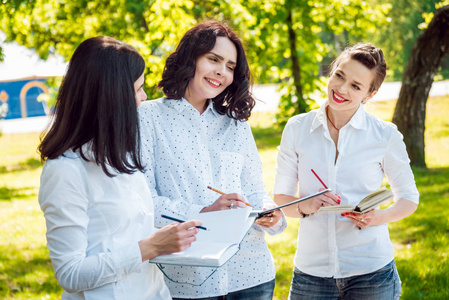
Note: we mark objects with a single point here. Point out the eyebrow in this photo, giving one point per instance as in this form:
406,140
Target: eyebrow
356,82
222,58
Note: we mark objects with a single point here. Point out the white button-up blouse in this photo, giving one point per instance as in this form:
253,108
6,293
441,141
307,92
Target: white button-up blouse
369,148
184,152
94,223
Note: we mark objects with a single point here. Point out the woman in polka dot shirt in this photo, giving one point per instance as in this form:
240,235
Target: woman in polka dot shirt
197,136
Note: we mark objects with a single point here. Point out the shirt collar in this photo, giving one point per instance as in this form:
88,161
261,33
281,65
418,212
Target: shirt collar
182,104
358,120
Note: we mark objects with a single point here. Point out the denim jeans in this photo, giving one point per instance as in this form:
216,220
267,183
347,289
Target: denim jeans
262,291
383,284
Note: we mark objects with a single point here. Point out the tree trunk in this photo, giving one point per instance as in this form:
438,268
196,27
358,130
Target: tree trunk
425,58
296,69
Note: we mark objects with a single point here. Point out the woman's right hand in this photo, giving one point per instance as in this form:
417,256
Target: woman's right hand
172,238
226,201
312,205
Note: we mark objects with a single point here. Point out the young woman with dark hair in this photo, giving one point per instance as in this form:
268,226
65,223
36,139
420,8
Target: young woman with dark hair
197,137
348,256
97,206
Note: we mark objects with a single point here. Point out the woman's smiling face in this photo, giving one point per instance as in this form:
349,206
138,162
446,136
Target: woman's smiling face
214,71
349,85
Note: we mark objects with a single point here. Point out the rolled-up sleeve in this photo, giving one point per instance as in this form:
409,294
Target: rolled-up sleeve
396,165
286,181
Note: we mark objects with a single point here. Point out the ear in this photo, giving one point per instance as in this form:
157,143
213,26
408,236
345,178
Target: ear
368,97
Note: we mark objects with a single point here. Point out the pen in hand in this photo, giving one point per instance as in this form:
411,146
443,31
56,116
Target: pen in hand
220,192
181,221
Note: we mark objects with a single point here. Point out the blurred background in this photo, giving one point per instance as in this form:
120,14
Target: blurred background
290,44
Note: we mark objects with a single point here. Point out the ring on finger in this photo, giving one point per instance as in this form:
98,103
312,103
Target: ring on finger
271,220
232,204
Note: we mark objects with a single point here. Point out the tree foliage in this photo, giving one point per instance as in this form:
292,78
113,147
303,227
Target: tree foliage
397,36
283,37
286,43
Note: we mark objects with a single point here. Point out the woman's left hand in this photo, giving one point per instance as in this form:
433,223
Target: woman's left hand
271,219
362,220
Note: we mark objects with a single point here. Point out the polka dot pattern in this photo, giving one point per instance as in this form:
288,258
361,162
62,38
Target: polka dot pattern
184,152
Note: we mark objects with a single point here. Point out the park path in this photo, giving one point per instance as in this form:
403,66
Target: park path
267,96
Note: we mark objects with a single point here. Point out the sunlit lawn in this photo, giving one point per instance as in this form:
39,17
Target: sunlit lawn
421,241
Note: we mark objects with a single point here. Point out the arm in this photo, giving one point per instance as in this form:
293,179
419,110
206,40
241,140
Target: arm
287,174
72,223
307,207
396,166
63,199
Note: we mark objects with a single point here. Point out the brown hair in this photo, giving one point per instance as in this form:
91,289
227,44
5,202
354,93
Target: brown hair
236,100
369,56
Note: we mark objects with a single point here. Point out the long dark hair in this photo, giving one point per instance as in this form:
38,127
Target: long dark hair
236,100
96,104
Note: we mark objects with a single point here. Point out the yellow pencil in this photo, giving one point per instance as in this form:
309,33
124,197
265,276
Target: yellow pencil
220,192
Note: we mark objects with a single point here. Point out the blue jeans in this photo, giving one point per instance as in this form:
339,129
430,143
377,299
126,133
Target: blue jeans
383,284
262,291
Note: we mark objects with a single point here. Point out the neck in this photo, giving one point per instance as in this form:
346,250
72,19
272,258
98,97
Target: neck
338,119
199,105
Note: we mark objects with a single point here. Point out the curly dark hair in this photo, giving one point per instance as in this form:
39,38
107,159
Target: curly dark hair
369,56
96,103
236,100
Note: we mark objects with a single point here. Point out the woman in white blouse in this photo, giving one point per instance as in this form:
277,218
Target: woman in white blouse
345,256
96,203
197,137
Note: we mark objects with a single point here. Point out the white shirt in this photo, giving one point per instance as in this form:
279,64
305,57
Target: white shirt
331,245
94,223
184,152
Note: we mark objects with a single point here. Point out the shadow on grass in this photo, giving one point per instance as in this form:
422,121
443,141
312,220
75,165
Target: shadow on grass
29,164
7,194
19,276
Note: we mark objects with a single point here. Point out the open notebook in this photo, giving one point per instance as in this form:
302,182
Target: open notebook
213,248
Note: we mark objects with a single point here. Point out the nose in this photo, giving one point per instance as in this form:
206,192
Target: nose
344,87
220,71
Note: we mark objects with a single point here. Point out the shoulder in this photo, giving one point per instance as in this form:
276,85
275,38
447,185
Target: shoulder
70,166
301,119
382,127
152,105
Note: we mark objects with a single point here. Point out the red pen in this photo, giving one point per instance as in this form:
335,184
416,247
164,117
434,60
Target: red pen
318,178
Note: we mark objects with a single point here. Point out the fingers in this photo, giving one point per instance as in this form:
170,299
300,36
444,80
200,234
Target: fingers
360,220
189,224
270,219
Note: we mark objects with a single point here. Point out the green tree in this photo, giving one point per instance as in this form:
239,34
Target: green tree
397,36
286,44
154,27
425,58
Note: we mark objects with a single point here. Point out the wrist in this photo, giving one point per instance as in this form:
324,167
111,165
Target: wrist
301,213
147,250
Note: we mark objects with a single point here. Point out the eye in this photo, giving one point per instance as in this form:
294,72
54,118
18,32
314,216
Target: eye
213,58
356,87
338,75
231,68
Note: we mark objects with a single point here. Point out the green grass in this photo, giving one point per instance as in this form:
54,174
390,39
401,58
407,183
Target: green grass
421,240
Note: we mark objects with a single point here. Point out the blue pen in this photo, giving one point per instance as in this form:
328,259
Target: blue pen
181,221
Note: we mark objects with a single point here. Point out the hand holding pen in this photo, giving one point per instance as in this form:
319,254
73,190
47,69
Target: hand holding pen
226,201
327,199
172,238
